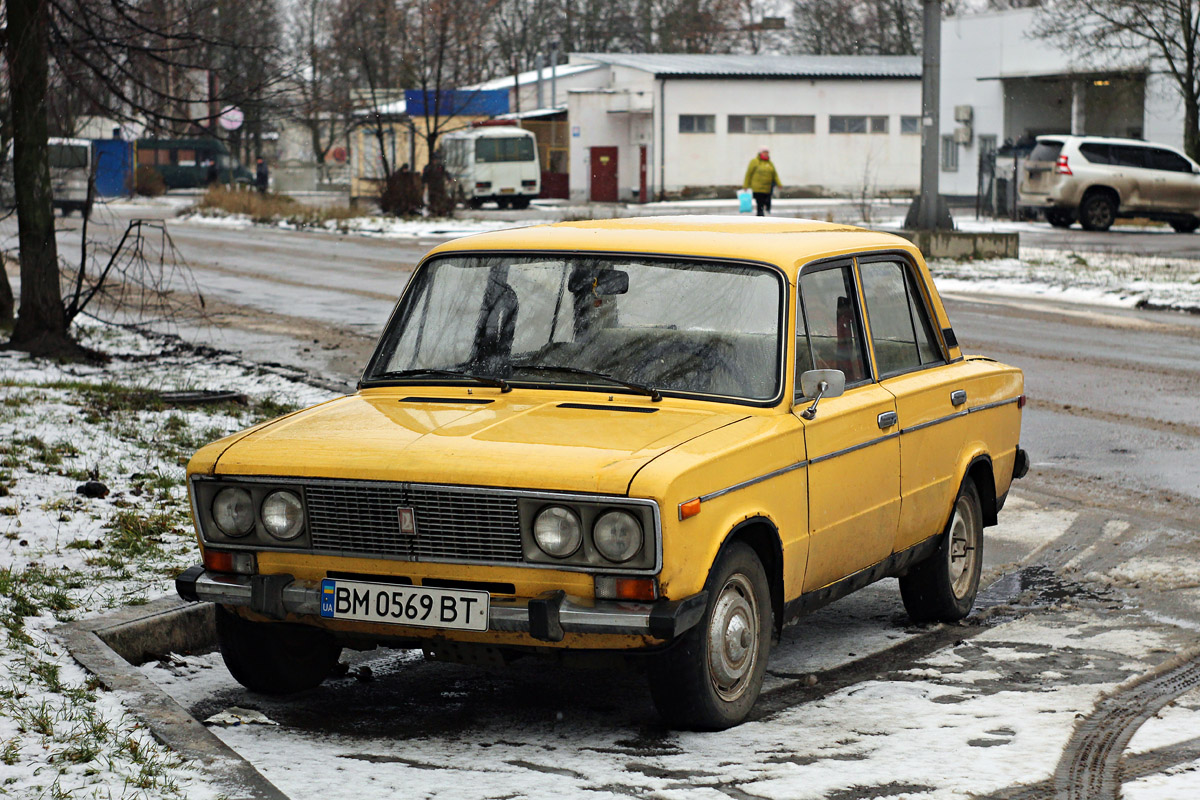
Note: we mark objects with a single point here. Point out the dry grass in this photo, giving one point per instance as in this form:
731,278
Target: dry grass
269,207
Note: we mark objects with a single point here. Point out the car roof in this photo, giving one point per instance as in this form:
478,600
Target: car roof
1063,137
787,243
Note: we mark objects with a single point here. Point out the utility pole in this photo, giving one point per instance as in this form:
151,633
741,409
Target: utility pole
928,211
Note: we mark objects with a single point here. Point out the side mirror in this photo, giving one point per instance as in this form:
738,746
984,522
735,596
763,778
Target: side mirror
820,383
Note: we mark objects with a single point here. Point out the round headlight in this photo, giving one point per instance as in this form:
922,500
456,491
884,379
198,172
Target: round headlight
233,511
618,535
557,531
283,515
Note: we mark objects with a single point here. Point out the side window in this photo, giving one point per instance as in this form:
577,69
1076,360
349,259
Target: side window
900,331
1128,156
1166,160
829,328
1096,153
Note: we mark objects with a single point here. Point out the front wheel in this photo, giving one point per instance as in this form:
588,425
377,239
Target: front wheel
1185,224
275,658
942,588
710,679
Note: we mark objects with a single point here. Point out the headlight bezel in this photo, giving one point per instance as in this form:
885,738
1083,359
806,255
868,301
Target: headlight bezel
203,492
646,560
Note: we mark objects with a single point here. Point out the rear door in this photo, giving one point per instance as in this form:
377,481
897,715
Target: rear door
1038,175
930,393
852,445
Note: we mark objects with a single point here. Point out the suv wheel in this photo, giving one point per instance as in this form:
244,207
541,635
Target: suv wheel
1185,224
1097,212
1058,218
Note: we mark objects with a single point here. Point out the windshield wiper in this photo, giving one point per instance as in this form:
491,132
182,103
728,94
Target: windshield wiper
637,387
486,380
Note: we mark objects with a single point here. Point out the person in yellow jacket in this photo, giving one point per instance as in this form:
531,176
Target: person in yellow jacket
761,179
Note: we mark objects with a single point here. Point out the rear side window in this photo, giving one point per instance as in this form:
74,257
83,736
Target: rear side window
1096,153
1129,156
829,329
1166,160
900,331
1046,151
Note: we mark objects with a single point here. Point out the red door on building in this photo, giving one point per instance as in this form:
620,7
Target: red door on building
604,174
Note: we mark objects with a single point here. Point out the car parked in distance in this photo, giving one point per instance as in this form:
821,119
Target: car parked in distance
662,437
1096,180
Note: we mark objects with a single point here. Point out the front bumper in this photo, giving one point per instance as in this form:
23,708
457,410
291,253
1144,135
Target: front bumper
546,618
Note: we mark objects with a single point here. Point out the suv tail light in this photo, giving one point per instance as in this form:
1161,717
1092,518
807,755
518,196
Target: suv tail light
1061,167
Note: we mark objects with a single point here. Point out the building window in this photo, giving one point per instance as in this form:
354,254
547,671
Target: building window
949,154
796,123
847,124
987,143
697,123
800,123
879,124
910,126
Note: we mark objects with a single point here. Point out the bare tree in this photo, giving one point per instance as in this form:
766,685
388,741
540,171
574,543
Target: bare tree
149,60
320,77
857,27
1161,32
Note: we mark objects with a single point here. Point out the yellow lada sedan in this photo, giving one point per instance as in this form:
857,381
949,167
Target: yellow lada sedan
669,437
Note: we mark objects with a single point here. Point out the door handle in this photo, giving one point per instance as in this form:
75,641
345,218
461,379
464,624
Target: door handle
958,397
887,419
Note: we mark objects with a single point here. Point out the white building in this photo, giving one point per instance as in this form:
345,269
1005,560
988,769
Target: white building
674,124
1003,84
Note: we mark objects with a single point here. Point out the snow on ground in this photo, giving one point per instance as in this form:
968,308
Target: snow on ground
65,555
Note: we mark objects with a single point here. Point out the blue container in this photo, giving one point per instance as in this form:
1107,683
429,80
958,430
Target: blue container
745,201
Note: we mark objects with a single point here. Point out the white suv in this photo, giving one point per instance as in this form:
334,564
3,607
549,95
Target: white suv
1096,180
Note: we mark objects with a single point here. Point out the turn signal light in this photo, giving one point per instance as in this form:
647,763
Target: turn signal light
1021,401
218,561
689,509
636,589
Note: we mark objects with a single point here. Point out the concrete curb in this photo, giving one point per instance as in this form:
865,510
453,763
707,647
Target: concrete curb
111,645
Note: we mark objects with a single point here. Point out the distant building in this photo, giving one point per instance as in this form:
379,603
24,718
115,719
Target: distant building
1000,84
653,125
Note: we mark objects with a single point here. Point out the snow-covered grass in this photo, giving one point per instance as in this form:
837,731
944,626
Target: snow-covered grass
64,555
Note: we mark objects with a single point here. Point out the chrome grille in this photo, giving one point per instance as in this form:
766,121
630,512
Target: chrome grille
363,519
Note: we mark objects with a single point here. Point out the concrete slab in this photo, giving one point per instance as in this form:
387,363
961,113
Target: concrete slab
111,646
963,244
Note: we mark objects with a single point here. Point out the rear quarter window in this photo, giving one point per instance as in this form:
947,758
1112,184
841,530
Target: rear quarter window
1166,160
1046,151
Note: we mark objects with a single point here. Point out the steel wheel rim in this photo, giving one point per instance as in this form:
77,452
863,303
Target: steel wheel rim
1098,213
963,551
733,638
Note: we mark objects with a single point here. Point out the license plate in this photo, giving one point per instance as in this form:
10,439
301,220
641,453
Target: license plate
507,190
459,609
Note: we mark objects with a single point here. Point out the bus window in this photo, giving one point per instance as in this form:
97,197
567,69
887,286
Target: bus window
68,156
509,148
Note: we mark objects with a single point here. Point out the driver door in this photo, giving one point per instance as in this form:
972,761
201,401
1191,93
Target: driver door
853,442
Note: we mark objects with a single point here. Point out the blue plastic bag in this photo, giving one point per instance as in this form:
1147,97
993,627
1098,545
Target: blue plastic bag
745,201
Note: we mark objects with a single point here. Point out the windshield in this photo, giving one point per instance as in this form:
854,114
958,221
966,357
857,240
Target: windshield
511,148
68,156
669,326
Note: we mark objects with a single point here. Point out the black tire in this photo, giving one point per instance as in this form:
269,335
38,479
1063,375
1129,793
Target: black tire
1097,212
696,687
1059,218
475,202
520,203
1185,224
942,588
272,657
503,203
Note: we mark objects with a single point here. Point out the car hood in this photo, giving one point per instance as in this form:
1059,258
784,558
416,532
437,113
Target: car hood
524,439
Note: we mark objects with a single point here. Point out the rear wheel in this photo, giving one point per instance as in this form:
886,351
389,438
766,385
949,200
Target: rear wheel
503,202
711,677
274,657
520,203
1058,218
1185,224
1097,212
942,588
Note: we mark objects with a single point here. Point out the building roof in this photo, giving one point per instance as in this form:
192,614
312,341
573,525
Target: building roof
674,65
527,78
789,243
